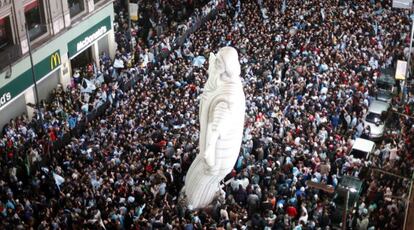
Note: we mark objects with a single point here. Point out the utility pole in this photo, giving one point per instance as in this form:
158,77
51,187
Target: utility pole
130,28
407,78
34,79
346,210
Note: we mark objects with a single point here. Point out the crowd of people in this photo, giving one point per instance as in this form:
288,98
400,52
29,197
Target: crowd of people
308,70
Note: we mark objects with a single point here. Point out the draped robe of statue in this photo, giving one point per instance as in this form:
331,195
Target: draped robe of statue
221,112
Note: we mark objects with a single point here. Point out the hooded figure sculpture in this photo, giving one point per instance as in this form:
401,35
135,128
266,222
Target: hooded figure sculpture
222,111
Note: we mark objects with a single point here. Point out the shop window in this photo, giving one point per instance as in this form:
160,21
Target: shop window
35,19
76,7
6,36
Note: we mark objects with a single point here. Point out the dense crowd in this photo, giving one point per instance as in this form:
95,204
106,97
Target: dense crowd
308,70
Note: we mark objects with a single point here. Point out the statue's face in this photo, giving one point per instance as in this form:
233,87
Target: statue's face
230,58
224,68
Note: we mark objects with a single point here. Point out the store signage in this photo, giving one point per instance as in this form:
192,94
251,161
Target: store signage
54,60
88,40
5,98
25,80
88,37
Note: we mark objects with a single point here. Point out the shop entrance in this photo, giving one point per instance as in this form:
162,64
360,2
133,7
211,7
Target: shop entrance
82,60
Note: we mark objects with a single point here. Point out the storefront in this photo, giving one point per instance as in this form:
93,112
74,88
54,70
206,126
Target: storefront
80,45
87,47
15,95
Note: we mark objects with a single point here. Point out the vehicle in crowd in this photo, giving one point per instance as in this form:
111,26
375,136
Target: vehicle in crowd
376,118
349,188
385,86
362,148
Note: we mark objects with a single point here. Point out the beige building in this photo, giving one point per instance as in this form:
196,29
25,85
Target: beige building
63,34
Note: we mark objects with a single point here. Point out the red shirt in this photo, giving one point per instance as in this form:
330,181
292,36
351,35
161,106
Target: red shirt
291,211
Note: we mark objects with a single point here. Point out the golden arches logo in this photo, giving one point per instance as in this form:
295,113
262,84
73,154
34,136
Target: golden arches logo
54,60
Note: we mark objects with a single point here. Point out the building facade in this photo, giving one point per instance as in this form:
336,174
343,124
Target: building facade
63,34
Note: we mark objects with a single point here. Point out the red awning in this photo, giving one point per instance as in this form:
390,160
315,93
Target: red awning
3,20
31,5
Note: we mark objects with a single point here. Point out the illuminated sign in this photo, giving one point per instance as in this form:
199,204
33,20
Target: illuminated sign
54,60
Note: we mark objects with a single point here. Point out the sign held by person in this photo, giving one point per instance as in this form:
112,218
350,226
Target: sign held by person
401,70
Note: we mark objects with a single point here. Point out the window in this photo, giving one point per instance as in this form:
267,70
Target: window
75,7
35,19
6,37
374,118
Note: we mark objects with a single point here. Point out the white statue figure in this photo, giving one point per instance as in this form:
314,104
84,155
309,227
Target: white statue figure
222,110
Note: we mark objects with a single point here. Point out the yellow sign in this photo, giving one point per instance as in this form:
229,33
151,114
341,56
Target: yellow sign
54,60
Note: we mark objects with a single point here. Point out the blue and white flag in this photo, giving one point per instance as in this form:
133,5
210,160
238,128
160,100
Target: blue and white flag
87,86
58,180
375,27
323,14
283,6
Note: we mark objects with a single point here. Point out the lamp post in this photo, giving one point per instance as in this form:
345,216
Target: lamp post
346,210
34,78
130,29
407,75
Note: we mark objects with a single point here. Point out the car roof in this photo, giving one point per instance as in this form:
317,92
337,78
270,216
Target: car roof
387,76
378,107
386,80
363,145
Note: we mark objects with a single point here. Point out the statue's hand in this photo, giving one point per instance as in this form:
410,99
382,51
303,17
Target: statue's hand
212,167
209,157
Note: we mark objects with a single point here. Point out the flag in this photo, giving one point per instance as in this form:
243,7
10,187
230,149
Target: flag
87,86
95,69
376,27
199,61
323,14
283,6
58,180
118,63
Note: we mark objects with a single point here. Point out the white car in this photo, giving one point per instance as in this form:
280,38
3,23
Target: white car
375,118
361,149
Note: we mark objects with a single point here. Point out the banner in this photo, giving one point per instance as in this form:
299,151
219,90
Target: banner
133,10
402,4
401,70
58,180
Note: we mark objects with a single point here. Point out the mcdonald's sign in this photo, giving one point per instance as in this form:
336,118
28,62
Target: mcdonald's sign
54,60
23,81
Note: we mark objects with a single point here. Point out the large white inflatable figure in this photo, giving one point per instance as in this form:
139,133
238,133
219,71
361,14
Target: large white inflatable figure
222,110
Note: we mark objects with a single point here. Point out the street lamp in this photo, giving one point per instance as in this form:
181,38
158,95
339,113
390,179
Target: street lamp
407,78
347,190
34,78
130,29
